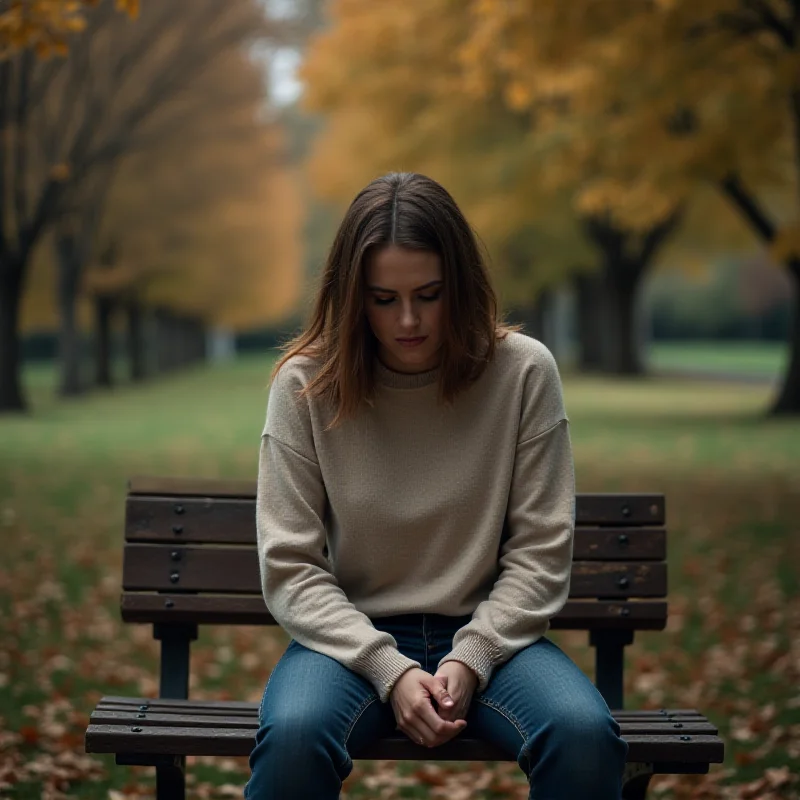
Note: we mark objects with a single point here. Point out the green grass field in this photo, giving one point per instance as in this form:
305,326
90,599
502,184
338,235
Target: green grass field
732,647
767,359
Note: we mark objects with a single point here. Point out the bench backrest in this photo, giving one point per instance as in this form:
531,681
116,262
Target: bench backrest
190,558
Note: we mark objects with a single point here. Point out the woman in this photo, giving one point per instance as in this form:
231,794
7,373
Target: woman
415,518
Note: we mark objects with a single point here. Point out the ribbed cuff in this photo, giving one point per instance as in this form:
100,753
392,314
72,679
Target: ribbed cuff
479,654
383,667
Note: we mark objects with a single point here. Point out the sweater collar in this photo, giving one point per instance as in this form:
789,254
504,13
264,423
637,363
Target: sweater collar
403,380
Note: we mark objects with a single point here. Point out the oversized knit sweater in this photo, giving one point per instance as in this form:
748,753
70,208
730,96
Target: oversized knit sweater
402,510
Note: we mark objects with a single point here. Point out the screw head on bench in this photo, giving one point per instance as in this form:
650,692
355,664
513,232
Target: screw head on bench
179,509
623,582
625,611
678,725
175,577
686,738
623,538
177,528
136,730
175,555
168,603
144,707
626,511
141,716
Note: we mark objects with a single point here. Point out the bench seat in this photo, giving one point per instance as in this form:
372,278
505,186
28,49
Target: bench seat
142,726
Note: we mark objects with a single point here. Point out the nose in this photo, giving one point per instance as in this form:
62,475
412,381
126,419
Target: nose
408,317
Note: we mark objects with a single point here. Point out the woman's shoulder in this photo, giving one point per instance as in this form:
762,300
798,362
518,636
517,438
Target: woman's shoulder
295,372
522,353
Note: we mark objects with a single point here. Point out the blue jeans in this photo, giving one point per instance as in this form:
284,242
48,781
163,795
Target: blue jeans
539,707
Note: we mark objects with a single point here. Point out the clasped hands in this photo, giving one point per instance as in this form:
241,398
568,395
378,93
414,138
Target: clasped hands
432,709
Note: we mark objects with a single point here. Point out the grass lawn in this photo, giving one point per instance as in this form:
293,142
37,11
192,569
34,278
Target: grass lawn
767,359
732,648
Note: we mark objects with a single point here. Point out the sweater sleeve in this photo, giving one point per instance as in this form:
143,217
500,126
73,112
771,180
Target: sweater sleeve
536,559
299,589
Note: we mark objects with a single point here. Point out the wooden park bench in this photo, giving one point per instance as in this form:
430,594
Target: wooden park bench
190,559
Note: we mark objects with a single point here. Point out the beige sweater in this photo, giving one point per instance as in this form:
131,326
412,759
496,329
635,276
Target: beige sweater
410,498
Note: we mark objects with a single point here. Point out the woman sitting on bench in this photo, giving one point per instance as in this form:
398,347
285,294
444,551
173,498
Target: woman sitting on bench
415,518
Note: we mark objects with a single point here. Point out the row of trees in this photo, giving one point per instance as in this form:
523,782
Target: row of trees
585,140
140,170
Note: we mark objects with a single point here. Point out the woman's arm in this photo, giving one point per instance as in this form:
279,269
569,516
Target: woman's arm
299,589
536,559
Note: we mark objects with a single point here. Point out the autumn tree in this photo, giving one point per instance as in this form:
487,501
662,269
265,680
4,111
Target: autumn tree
71,122
684,93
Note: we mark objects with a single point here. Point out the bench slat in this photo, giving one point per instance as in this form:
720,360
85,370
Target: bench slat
250,610
153,519
227,518
221,741
235,570
195,709
184,719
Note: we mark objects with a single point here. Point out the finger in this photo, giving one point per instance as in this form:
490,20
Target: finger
431,724
438,691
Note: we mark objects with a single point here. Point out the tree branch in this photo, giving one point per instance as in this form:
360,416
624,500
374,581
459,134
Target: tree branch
656,236
735,191
772,21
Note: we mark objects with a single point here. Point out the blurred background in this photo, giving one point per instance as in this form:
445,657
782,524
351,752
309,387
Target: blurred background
172,175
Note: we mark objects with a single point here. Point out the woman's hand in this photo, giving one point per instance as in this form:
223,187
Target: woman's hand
411,700
460,682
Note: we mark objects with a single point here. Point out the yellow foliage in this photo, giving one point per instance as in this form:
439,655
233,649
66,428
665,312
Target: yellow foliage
45,25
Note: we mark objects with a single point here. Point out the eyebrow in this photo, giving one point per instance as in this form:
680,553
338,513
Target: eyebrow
392,291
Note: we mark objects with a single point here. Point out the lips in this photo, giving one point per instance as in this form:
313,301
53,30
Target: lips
414,340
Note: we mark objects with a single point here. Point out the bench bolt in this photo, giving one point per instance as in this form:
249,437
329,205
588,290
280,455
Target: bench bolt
144,707
177,528
626,511
169,603
141,716
136,730
175,555
623,582
686,738
179,509
678,725
175,577
623,538
625,611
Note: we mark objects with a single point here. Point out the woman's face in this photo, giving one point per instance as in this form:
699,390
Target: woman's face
403,301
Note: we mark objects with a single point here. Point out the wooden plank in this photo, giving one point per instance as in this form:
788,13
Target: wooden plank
213,520
591,509
191,487
245,708
620,509
234,570
232,521
239,742
112,716
250,610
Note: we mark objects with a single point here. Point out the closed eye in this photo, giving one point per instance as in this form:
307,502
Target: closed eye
428,298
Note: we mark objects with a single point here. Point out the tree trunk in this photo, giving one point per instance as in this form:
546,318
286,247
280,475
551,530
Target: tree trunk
69,343
12,397
104,307
788,399
135,342
589,321
621,340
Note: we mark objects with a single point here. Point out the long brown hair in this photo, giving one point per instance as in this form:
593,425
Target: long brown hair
408,210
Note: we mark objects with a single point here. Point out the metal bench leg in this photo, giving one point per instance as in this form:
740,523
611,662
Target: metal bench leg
171,780
636,780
